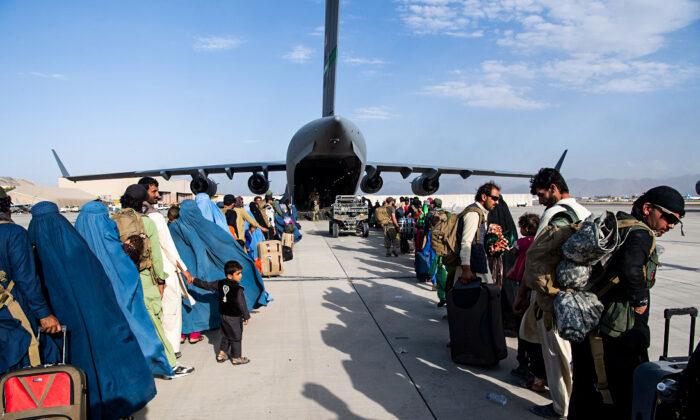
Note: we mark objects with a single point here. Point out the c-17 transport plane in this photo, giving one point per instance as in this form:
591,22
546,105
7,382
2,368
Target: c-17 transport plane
327,156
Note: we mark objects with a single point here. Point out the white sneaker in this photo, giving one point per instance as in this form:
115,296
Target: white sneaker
179,371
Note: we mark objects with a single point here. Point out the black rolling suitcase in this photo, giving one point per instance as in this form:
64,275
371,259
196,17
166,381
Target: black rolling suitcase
655,383
476,327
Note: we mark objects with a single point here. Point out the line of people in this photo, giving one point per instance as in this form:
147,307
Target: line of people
586,378
128,284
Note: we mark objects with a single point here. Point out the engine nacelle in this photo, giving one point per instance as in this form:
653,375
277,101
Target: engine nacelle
697,187
196,185
371,185
424,185
258,184
212,187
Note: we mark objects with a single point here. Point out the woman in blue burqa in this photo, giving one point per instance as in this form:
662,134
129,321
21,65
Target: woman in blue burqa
101,234
19,327
205,248
288,218
100,341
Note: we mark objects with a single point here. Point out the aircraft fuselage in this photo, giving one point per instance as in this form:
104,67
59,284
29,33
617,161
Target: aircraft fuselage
326,156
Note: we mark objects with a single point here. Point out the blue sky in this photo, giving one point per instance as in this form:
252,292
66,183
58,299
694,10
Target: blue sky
486,84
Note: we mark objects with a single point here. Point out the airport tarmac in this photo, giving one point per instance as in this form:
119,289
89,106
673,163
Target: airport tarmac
351,335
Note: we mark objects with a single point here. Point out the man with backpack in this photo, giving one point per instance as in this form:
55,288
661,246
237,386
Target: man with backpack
459,238
175,289
139,235
472,229
561,210
605,361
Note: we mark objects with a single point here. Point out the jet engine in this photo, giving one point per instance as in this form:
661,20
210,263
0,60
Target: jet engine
425,185
371,185
258,184
697,187
211,185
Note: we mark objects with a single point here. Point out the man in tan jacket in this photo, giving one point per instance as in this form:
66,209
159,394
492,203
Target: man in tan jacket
236,216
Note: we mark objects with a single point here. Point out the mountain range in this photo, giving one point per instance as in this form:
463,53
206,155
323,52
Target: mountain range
579,187
685,184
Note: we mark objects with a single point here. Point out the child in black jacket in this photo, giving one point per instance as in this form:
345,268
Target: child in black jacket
234,312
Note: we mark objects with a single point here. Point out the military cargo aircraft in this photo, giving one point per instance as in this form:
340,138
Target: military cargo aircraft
327,156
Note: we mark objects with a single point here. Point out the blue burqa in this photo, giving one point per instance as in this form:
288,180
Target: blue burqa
205,248
211,211
430,255
100,341
251,242
17,261
101,234
290,212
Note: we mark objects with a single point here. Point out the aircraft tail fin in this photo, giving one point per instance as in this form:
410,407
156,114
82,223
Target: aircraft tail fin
330,55
61,167
561,161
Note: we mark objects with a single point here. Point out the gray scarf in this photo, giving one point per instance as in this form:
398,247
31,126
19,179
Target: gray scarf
150,208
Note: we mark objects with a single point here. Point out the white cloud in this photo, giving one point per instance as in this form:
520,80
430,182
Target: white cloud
485,95
216,43
631,28
628,28
373,113
425,17
299,54
318,31
498,70
360,61
593,45
610,75
54,76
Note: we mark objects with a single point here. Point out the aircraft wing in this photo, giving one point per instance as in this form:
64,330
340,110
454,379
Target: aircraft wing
228,169
406,170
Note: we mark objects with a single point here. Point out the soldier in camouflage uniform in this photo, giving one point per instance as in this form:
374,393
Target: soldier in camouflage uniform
391,229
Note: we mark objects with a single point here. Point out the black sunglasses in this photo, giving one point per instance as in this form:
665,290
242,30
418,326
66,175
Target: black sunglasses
495,198
671,219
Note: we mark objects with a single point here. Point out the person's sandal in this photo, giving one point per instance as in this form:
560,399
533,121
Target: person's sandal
539,385
201,337
240,361
221,358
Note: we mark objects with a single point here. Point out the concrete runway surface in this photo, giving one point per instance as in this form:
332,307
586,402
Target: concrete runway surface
351,335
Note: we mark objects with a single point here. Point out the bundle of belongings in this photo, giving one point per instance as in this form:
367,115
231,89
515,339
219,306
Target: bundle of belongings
563,265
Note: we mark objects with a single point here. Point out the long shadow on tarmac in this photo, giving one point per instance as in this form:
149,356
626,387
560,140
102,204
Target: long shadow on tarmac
416,334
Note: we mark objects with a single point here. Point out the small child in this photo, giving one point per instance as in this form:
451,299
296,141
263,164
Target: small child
530,363
173,213
234,312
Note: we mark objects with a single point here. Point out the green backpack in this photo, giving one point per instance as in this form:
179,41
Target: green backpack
129,224
445,230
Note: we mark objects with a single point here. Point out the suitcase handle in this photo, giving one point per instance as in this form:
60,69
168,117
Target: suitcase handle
64,331
668,314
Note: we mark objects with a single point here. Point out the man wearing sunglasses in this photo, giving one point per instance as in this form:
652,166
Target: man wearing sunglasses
634,264
472,254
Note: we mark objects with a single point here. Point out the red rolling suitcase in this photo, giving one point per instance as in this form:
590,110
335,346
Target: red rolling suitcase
48,392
